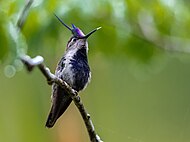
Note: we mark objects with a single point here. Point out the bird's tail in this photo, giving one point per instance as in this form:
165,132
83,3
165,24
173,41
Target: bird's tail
60,102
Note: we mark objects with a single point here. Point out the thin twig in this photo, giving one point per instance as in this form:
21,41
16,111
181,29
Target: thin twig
23,15
51,78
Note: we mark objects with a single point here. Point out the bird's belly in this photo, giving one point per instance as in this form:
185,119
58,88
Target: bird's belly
77,76
67,75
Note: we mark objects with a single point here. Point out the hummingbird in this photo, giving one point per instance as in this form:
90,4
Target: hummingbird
73,68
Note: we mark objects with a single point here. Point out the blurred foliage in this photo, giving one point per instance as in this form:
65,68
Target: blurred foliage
138,30
140,67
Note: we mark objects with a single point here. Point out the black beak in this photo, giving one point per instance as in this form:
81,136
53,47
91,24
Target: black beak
74,28
63,23
86,36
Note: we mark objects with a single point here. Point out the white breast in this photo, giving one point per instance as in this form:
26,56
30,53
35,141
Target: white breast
67,72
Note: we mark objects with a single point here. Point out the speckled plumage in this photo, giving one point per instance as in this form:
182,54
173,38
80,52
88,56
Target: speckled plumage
74,69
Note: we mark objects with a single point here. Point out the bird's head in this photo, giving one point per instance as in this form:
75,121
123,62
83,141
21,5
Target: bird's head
79,39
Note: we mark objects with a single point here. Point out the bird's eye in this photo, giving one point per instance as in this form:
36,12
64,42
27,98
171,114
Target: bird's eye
74,40
71,41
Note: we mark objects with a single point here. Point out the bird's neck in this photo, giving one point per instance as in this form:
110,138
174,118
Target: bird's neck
81,54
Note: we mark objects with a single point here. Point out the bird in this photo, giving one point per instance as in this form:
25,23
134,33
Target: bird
73,68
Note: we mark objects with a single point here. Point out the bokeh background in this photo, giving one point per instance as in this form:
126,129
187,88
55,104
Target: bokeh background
140,63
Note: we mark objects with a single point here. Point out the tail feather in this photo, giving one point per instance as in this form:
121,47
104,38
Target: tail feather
60,102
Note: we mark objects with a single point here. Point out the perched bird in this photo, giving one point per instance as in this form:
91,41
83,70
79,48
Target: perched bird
73,68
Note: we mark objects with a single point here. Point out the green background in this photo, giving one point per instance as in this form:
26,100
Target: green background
140,66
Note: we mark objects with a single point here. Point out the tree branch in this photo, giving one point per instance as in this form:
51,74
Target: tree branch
51,78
